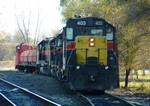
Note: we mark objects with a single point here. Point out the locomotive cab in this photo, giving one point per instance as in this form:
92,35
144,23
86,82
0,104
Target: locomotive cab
43,56
56,53
19,49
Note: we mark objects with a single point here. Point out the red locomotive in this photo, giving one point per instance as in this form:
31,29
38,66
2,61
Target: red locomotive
25,58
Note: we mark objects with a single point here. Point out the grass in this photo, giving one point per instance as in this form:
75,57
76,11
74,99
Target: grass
140,85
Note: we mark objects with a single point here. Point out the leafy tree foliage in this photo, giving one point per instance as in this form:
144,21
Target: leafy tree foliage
6,47
132,21
3,36
8,44
18,38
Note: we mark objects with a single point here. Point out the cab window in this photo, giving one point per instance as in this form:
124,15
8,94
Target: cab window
83,31
59,42
90,31
69,33
109,33
98,32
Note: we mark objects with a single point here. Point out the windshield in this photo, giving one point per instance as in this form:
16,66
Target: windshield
88,31
109,33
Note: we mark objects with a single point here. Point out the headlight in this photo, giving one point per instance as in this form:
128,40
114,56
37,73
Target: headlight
92,44
106,67
77,67
92,41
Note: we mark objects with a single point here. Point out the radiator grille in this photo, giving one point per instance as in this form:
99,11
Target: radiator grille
92,61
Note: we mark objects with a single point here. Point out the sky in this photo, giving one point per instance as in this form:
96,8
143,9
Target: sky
48,10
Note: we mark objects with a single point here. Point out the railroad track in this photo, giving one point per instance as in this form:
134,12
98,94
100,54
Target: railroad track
5,101
103,99
13,95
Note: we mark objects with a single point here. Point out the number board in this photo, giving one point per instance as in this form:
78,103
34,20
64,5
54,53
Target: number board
82,23
99,23
85,23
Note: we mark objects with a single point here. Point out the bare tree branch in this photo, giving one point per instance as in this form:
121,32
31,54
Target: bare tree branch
36,31
24,22
20,29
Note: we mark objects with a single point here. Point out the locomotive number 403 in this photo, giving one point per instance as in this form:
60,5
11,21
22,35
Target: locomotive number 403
81,23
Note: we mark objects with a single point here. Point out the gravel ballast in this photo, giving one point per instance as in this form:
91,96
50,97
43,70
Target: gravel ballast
45,86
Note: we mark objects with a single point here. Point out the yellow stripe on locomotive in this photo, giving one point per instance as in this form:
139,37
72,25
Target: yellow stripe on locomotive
91,47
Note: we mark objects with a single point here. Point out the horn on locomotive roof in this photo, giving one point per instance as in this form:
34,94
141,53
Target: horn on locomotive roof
77,16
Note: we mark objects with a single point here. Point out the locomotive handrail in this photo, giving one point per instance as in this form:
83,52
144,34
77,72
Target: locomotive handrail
70,56
114,54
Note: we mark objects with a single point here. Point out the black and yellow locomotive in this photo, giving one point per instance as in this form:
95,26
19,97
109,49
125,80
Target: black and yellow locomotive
84,55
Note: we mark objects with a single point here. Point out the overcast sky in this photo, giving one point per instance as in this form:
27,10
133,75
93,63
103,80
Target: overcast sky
49,13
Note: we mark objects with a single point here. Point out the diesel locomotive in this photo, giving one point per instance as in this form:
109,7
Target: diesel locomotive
84,55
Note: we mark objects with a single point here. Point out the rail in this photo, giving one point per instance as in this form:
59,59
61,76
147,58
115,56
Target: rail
31,94
104,99
6,101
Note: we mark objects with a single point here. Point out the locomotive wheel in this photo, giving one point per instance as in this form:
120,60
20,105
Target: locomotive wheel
22,70
32,70
59,76
52,71
27,70
38,69
19,69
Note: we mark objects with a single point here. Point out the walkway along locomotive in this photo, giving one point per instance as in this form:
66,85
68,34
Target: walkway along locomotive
84,55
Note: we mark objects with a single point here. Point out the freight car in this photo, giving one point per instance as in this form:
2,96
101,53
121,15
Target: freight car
84,55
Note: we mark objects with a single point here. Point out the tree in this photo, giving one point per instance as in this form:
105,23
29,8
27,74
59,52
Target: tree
18,38
7,50
23,26
128,51
3,36
80,7
24,22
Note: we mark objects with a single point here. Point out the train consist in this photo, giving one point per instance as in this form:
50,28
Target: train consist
84,55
